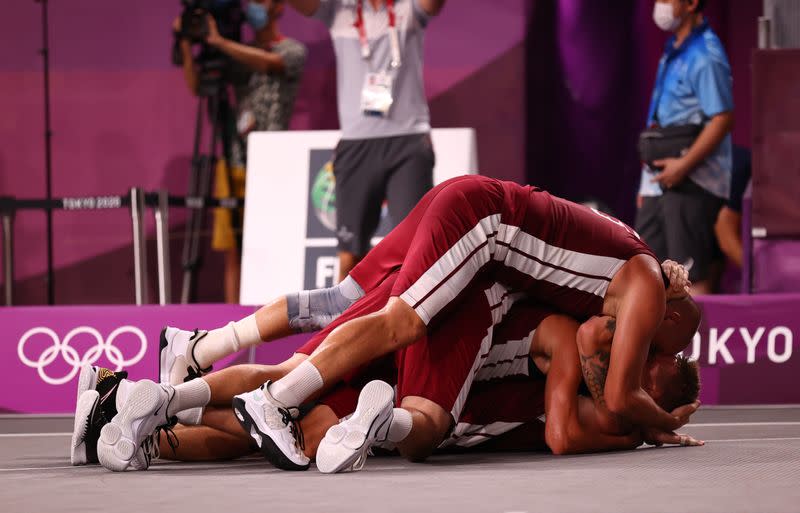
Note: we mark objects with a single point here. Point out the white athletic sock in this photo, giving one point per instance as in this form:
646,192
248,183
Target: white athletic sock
225,341
294,388
123,389
401,425
192,394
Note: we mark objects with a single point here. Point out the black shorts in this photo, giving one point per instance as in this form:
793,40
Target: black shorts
679,225
398,169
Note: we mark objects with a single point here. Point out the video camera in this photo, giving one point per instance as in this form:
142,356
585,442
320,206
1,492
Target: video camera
213,65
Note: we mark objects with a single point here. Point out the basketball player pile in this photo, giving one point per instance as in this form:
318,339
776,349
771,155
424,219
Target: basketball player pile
496,316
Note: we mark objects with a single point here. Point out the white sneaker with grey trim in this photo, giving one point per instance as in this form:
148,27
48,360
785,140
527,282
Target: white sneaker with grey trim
273,426
129,440
347,444
176,364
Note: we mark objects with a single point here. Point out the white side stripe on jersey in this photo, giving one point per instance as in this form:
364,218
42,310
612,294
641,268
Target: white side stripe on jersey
453,271
480,358
507,359
470,435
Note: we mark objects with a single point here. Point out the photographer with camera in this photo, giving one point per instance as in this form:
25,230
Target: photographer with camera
265,75
385,150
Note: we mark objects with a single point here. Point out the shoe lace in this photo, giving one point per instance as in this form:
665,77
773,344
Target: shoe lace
289,417
151,446
362,459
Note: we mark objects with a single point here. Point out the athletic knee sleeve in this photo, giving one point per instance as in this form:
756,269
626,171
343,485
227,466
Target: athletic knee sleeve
312,310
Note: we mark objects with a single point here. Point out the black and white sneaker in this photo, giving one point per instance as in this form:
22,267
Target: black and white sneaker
346,445
177,365
273,426
130,440
96,406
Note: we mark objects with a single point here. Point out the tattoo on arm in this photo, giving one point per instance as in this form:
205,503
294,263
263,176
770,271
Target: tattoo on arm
595,370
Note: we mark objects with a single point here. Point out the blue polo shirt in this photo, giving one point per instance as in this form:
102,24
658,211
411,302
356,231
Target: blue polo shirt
694,84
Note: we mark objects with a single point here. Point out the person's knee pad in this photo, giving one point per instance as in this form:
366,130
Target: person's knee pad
312,310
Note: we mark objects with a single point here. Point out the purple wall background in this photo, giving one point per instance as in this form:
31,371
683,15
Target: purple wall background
746,347
556,90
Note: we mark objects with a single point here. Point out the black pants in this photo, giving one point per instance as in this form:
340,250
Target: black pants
679,225
398,169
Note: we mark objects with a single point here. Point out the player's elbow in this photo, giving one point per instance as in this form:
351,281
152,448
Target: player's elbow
559,434
588,336
557,439
618,401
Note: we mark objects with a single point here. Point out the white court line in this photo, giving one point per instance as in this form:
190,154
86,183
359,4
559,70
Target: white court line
25,435
170,463
781,439
745,424
259,463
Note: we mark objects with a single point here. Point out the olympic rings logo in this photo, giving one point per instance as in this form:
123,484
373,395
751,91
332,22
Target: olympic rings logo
70,355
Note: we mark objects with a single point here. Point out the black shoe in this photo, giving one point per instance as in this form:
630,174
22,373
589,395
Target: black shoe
96,406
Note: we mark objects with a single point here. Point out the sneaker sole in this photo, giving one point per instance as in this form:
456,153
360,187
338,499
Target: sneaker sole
87,403
87,380
117,445
332,455
265,444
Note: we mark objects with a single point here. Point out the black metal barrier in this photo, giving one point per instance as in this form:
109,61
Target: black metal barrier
137,201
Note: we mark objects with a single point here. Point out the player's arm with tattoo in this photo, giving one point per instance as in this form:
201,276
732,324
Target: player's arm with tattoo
639,311
572,424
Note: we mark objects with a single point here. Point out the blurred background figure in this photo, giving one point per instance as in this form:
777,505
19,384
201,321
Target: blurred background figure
729,221
385,151
265,74
681,196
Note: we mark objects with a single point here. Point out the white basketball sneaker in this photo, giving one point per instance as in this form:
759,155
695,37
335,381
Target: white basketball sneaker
347,444
176,364
129,440
273,426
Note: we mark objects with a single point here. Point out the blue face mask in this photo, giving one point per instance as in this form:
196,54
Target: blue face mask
257,15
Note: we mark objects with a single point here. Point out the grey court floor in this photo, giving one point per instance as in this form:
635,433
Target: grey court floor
751,463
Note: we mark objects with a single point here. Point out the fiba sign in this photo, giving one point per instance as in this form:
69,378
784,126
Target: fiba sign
290,214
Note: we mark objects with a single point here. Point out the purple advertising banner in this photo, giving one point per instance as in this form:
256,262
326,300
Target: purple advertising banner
43,348
745,347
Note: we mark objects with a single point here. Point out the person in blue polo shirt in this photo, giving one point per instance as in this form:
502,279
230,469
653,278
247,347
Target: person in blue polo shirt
679,198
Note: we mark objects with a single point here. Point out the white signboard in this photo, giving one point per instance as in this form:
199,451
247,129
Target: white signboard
289,219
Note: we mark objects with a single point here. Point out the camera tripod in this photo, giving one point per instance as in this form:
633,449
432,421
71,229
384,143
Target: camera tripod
212,99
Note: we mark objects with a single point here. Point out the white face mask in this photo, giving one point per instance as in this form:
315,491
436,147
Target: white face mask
663,17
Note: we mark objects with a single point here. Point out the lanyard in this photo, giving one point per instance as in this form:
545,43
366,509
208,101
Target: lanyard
394,39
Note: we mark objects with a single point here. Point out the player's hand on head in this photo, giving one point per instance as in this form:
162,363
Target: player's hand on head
683,413
678,276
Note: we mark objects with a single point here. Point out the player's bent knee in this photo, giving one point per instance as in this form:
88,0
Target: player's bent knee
403,323
430,424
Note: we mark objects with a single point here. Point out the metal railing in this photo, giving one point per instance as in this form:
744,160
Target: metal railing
138,202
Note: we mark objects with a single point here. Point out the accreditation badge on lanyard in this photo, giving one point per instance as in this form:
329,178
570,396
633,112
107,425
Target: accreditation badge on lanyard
377,93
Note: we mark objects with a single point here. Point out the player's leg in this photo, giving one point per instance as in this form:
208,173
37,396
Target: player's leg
434,377
451,244
275,422
287,315
218,438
